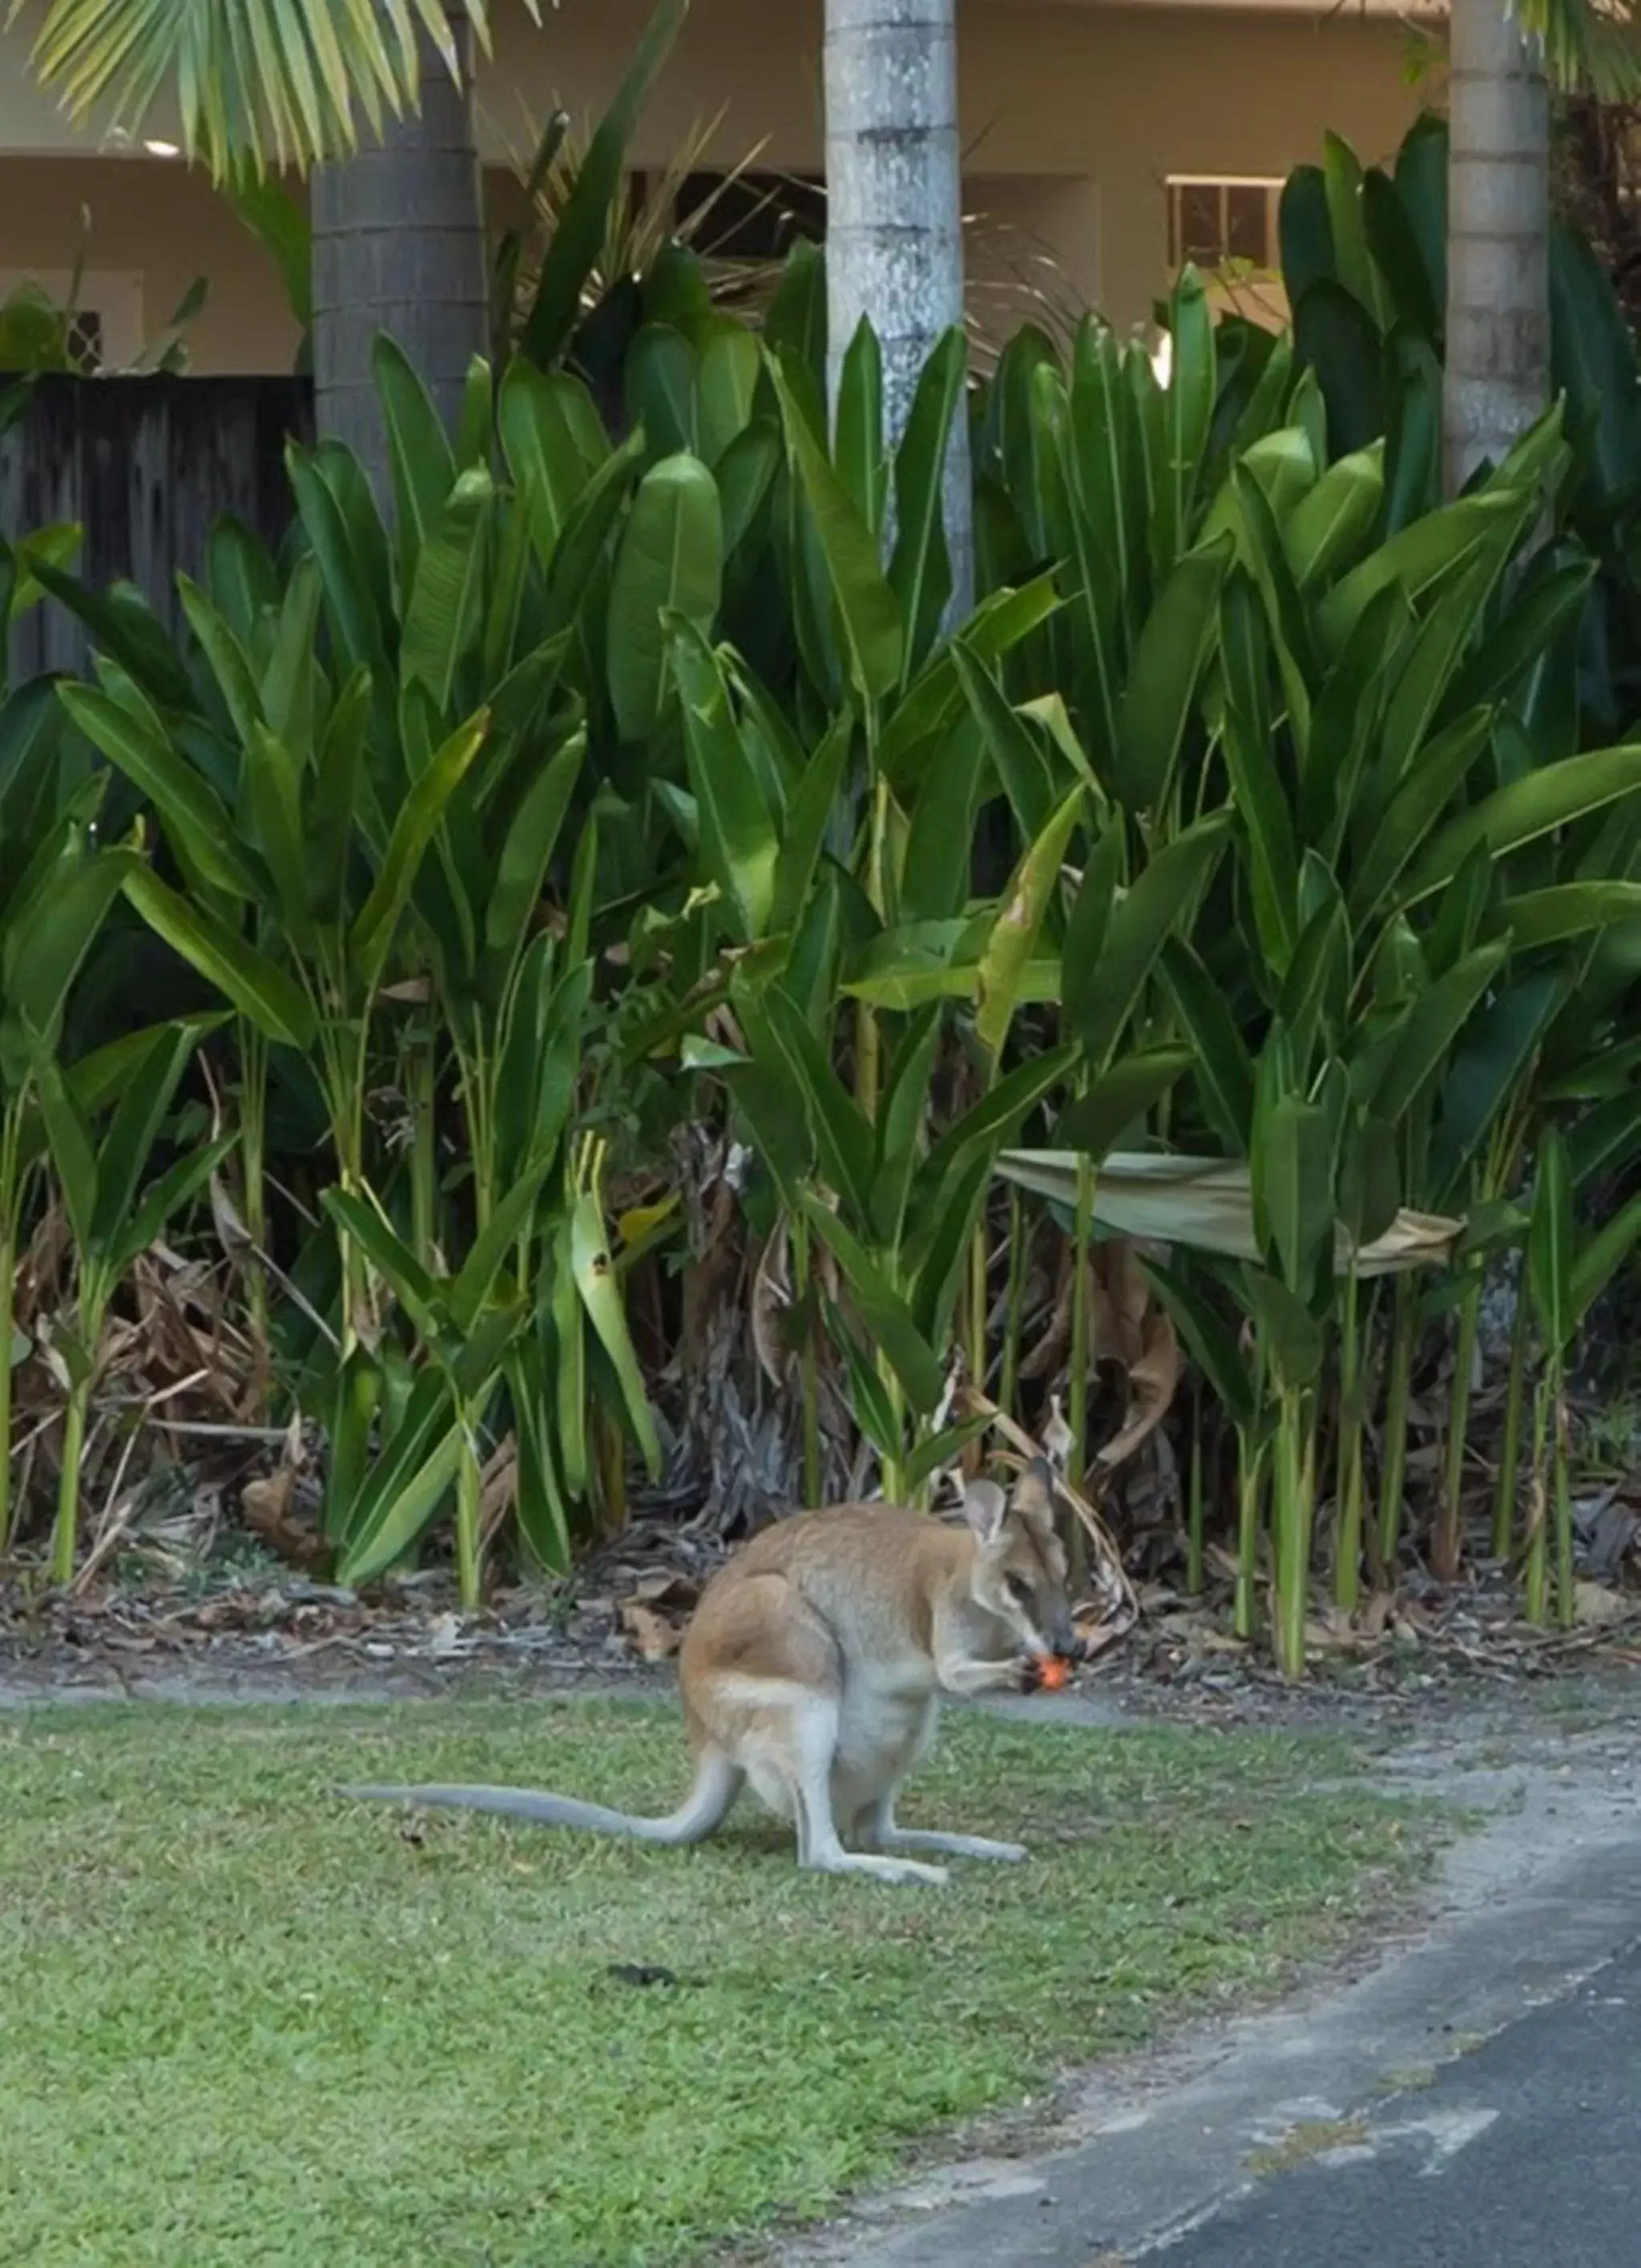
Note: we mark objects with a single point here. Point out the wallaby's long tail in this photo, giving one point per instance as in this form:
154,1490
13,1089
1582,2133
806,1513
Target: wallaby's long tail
703,1809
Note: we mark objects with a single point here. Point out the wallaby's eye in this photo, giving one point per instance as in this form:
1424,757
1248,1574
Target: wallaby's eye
1019,1591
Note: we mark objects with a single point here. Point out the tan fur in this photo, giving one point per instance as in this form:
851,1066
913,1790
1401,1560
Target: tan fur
814,1666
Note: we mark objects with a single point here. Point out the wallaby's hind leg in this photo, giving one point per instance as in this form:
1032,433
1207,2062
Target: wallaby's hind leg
878,1829
814,1730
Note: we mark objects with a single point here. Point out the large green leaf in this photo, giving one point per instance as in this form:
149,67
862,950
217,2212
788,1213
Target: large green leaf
1331,525
527,846
171,1193
920,571
600,1295
581,228
129,734
807,818
917,731
1524,810
1487,1070
1206,1206
403,1487
44,947
670,563
1116,1102
1022,766
550,453
1567,909
995,1119
254,984
139,1117
1013,935
1601,1258
365,1226
443,618
1550,1243
1256,786
230,663
1211,1341
422,460
1291,1336
858,453
539,1501
1422,553
376,925
1224,1069
1292,1183
887,1318
866,606
1087,926
739,842
1425,1037
1163,898
1406,822
1162,682
69,1140
842,1136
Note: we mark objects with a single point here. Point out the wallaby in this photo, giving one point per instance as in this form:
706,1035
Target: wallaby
814,1664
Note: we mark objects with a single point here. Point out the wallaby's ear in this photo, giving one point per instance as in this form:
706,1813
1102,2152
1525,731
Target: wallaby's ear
986,1508
1034,1494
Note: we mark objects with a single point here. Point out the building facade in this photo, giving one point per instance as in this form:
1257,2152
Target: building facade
1102,142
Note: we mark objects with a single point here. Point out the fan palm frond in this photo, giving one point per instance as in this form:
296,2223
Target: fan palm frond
1593,45
260,84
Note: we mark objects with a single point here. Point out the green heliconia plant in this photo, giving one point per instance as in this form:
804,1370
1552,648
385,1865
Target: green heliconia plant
115,1212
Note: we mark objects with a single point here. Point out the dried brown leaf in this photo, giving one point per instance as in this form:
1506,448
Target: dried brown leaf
1154,1381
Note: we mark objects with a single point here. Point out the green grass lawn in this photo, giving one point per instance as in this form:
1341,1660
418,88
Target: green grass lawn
242,2021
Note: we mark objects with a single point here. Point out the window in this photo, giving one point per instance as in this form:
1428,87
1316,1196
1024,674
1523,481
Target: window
1222,223
752,217
85,341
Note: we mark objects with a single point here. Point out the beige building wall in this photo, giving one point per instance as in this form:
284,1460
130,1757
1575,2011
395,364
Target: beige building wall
1074,115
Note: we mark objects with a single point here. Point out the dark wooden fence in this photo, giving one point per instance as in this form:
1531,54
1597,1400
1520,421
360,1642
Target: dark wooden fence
143,466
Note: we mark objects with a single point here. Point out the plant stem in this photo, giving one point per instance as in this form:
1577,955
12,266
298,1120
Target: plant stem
1509,1447
979,1289
1295,1484
868,1042
253,1168
1077,1543
469,1544
10,1141
1448,1543
1245,1609
65,1534
810,1374
424,1147
1566,1595
1013,1316
1194,1502
1392,1480
1349,1488
1537,1585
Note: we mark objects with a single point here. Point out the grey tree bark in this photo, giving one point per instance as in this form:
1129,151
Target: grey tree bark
399,247
894,235
1497,376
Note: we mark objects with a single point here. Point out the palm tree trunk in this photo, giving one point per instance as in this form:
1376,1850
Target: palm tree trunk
894,237
399,247
1497,378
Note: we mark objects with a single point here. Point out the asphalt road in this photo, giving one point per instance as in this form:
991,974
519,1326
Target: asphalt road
1520,2155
